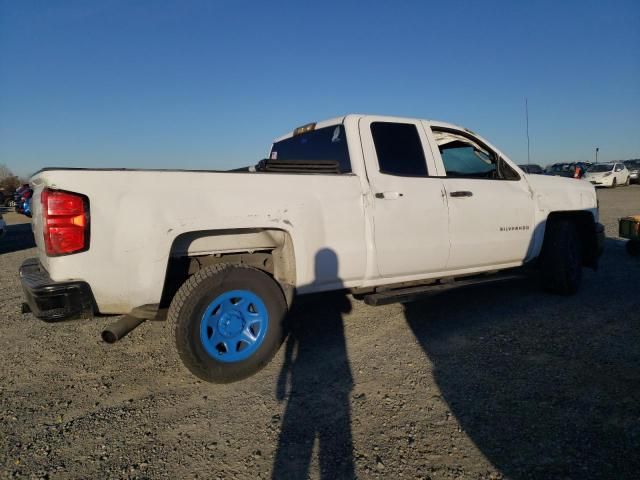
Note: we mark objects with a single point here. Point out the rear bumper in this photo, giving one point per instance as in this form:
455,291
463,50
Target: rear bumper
54,301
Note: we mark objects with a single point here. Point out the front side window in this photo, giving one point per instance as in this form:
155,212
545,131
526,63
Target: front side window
464,158
399,149
324,144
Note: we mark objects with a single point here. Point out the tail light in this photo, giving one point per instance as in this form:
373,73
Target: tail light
65,222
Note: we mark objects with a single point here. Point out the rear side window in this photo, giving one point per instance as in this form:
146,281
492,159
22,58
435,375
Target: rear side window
399,149
328,143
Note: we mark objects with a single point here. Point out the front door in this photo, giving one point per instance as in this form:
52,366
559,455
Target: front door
620,173
410,215
491,213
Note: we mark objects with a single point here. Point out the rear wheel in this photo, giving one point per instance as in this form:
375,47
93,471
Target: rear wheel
227,322
561,258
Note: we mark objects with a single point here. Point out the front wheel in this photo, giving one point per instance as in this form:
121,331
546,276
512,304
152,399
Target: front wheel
614,183
561,258
628,182
227,322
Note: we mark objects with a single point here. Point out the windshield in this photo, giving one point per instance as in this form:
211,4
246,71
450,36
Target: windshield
602,167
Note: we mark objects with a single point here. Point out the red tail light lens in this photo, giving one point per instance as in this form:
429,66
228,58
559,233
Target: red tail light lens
65,222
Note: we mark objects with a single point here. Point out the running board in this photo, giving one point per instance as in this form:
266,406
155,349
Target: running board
412,293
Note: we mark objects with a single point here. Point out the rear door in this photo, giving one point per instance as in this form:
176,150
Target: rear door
410,214
491,213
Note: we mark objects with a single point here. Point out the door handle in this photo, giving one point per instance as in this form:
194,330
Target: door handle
389,195
461,193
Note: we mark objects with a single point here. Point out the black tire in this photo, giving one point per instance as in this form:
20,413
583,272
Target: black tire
190,304
628,182
614,184
633,248
561,258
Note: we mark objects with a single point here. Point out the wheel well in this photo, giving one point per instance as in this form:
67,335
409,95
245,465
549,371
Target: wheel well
269,250
585,225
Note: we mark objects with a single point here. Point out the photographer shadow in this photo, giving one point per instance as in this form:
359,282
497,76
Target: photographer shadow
316,382
16,238
545,386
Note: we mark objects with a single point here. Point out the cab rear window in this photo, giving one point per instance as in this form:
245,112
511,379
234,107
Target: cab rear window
328,143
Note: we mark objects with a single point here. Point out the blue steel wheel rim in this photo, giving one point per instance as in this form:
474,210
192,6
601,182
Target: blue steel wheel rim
234,326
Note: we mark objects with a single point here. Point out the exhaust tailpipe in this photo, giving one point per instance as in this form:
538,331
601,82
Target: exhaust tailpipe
121,328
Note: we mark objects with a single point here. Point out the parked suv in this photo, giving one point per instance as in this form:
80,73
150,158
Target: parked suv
6,198
634,170
532,169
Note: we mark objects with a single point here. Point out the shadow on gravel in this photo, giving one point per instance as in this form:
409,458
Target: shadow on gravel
316,381
18,237
545,386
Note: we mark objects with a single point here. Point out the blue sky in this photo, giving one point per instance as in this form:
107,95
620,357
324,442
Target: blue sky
209,84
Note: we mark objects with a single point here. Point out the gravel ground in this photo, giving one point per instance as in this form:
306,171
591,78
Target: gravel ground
488,383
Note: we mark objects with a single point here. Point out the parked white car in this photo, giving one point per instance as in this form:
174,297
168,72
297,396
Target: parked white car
384,207
608,174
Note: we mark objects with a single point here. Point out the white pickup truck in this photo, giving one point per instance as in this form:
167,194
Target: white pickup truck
383,207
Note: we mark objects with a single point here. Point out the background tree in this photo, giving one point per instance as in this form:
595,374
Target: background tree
8,181
5,172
